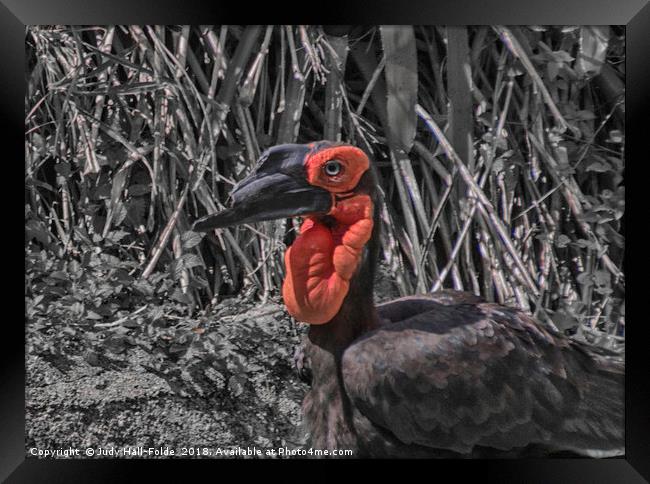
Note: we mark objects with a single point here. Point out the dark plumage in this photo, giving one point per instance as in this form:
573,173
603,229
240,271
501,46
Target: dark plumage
475,380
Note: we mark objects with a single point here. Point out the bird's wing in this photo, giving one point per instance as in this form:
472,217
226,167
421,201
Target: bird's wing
466,376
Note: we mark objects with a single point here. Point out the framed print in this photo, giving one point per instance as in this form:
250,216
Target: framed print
370,235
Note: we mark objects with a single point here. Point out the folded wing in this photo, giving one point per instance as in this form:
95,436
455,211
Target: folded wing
459,377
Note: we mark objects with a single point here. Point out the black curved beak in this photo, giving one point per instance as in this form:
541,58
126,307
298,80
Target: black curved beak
277,189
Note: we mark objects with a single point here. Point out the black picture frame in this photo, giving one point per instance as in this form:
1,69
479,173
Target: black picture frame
635,14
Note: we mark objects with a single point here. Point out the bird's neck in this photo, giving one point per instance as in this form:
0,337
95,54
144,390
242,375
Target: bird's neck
331,425
326,409
356,316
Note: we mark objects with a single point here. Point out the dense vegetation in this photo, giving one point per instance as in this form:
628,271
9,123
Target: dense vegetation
500,153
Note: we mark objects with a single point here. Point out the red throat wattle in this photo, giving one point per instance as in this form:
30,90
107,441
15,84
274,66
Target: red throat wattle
323,259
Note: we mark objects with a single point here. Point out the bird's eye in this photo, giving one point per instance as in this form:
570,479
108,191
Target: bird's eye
333,168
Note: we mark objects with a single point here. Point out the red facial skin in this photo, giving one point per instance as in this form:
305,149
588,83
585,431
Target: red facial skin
322,260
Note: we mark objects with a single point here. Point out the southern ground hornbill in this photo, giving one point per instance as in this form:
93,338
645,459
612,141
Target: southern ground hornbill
439,375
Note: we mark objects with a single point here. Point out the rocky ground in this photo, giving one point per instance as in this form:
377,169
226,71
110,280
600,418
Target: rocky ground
232,385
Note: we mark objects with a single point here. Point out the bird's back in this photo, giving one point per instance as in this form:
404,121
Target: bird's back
453,375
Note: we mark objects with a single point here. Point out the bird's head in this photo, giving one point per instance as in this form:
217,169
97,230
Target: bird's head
330,186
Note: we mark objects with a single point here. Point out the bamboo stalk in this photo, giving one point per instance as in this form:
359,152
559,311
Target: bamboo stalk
484,204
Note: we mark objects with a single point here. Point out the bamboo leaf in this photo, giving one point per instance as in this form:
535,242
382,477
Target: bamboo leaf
594,41
401,83
459,78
